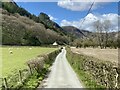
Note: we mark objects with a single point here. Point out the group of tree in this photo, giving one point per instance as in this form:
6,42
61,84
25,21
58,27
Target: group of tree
19,27
102,37
43,18
104,34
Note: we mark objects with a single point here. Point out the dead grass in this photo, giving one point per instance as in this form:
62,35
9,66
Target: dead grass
102,54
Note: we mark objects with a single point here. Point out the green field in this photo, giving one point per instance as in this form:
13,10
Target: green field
17,60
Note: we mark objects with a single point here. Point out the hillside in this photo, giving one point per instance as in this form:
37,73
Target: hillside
21,28
43,18
75,32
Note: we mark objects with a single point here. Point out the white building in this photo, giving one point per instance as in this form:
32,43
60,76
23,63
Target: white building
55,44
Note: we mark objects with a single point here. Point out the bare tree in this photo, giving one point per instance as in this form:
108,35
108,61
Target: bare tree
99,32
106,27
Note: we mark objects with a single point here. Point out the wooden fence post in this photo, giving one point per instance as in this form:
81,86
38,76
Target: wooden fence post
20,76
5,83
72,55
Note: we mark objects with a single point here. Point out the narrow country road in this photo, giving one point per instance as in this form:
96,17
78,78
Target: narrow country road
62,75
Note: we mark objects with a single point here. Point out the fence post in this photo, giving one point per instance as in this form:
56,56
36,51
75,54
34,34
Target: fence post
20,76
5,83
72,55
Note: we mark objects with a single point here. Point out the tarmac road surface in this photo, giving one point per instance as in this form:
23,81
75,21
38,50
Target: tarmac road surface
62,74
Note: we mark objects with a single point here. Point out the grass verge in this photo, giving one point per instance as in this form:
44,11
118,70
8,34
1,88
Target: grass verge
76,61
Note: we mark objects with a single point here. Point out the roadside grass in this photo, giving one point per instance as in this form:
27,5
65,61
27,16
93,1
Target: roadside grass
34,80
17,59
76,63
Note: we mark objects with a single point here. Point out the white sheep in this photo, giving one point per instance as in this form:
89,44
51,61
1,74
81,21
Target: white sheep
30,48
11,52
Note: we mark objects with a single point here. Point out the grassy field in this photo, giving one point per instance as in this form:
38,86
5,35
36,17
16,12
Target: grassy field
102,54
17,60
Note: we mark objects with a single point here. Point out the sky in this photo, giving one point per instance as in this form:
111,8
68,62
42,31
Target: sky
67,13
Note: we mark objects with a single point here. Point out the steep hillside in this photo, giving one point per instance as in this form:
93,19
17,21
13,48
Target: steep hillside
43,18
13,8
19,27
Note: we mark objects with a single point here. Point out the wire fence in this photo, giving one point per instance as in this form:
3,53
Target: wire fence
18,78
15,80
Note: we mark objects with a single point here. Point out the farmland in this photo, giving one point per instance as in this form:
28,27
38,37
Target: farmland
102,54
14,58
95,71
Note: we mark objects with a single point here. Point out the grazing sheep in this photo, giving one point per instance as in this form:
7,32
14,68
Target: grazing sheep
11,52
30,48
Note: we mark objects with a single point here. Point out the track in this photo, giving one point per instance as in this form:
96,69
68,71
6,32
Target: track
62,75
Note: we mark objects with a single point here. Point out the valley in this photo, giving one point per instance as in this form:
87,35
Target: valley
54,45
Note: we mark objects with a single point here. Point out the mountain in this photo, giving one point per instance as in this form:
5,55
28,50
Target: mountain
19,27
75,32
79,34
45,19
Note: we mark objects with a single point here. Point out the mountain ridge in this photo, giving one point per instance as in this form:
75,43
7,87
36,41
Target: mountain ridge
77,33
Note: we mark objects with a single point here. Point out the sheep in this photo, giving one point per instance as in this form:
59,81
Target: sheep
11,52
30,48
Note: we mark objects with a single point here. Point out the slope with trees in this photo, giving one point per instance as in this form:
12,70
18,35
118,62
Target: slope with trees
19,27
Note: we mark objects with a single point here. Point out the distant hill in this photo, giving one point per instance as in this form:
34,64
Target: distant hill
75,32
19,27
80,34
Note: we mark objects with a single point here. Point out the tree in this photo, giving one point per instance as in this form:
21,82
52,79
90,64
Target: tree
99,32
106,26
102,29
30,39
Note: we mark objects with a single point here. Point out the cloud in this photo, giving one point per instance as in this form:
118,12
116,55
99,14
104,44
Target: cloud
59,0
90,19
52,18
78,6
